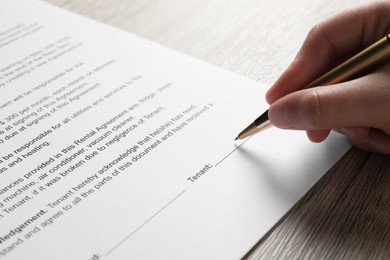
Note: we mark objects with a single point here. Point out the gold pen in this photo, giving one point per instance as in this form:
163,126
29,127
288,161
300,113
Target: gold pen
372,55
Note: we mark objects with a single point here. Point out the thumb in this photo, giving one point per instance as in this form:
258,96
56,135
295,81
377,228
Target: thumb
360,102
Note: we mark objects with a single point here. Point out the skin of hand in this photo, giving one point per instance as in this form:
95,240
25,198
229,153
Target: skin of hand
359,108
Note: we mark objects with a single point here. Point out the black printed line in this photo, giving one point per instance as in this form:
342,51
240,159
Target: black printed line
143,224
215,165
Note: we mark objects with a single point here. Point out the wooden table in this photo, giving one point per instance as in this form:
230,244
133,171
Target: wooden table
347,213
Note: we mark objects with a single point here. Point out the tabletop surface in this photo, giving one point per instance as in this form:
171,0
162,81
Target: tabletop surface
347,213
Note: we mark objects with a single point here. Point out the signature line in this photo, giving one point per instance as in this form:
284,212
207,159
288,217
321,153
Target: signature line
143,224
232,151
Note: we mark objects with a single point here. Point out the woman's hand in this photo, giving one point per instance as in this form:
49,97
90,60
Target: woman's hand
358,108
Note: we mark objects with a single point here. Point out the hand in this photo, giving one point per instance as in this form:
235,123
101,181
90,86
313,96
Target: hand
358,108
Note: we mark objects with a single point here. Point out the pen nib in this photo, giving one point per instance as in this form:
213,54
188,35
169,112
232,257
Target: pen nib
235,139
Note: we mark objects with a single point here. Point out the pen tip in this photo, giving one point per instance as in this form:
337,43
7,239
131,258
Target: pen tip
235,139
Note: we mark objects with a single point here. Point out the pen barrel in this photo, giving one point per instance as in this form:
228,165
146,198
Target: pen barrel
369,57
365,59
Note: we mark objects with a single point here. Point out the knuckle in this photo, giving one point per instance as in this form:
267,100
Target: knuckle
315,31
312,106
320,36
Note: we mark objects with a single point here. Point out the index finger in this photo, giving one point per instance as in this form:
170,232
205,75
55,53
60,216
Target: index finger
331,42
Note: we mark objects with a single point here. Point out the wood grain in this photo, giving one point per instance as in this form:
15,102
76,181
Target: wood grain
346,215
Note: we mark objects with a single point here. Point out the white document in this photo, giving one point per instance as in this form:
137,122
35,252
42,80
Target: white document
113,147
